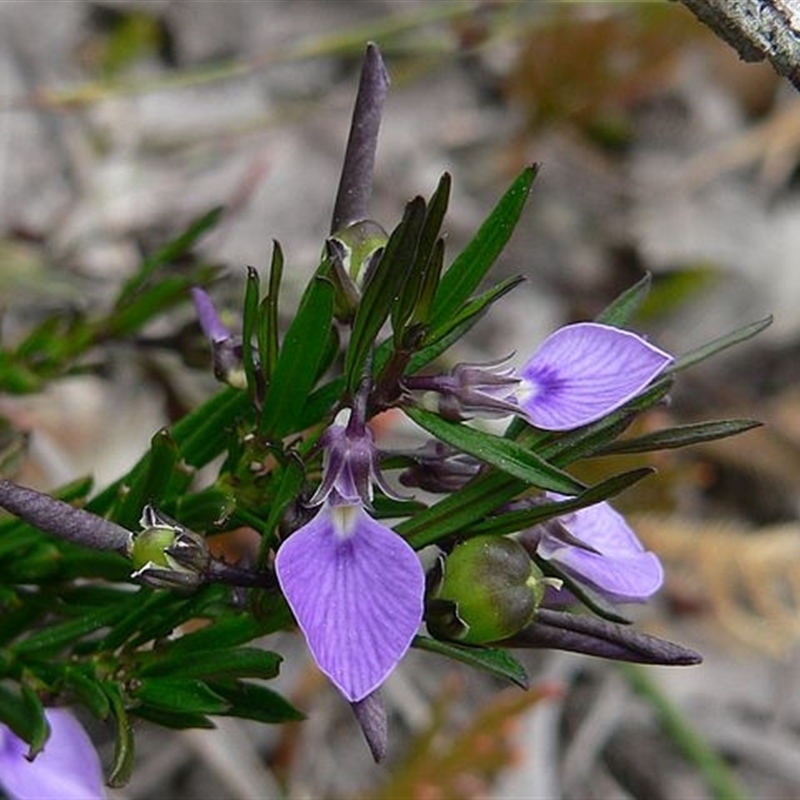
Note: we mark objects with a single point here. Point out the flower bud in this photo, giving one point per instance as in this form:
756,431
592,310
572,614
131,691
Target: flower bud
360,241
167,556
487,589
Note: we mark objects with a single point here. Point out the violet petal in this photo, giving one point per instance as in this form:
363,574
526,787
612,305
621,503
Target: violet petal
584,371
621,569
68,767
213,327
356,590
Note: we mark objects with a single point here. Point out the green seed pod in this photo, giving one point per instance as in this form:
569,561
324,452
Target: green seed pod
488,589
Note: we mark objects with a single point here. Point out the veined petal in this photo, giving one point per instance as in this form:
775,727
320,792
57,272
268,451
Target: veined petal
356,590
68,767
621,569
584,371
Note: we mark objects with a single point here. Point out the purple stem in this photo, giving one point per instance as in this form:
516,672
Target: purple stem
355,184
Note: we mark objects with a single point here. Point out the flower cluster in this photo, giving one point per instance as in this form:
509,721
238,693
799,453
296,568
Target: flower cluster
356,587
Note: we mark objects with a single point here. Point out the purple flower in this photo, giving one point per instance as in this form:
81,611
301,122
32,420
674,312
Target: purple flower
226,348
68,767
579,374
595,546
584,371
355,587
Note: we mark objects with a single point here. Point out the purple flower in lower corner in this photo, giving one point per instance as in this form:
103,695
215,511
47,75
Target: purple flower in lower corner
355,587
584,371
596,546
67,768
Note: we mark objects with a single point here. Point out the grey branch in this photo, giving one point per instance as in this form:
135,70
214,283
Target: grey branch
757,29
63,520
355,185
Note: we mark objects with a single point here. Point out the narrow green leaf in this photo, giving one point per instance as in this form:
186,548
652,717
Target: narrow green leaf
168,253
513,521
443,336
680,436
721,343
457,511
495,661
230,631
56,637
204,433
256,702
425,268
291,483
180,695
15,713
240,662
122,765
88,690
151,482
250,325
169,291
34,711
268,341
174,720
504,454
467,271
302,351
621,310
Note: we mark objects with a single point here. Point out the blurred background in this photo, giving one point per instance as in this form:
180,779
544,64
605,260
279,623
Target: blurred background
660,152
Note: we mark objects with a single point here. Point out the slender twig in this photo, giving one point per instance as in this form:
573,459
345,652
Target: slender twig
63,520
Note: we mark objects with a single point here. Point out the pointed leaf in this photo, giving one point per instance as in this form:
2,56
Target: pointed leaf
622,310
239,662
504,454
301,355
467,271
250,325
122,765
680,436
457,511
179,694
253,701
495,661
513,521
721,343
169,253
424,263
384,285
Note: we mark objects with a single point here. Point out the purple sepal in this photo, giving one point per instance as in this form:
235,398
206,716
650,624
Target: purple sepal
584,371
356,590
350,466
68,767
614,562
